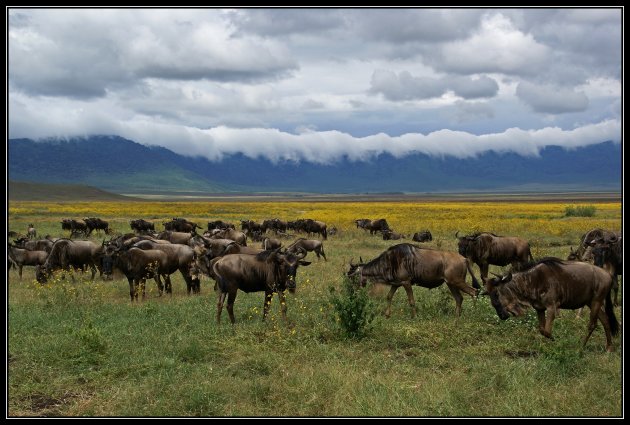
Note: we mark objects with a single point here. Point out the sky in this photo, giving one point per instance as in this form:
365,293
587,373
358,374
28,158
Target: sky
318,84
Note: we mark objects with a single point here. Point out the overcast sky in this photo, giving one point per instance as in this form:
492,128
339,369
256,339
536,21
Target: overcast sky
317,84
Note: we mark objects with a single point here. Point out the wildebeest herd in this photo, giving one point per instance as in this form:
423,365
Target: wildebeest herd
586,278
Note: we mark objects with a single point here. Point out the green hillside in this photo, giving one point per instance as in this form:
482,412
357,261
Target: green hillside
27,191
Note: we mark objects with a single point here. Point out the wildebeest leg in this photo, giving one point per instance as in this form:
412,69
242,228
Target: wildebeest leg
268,298
168,287
412,300
615,288
579,312
596,311
230,305
606,324
483,268
321,252
220,301
458,299
541,320
390,295
93,268
159,284
549,322
132,289
143,285
20,270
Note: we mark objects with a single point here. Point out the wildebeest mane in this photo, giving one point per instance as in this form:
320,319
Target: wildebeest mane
390,260
547,261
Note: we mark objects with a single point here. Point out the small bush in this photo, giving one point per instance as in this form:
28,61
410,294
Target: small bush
354,310
580,211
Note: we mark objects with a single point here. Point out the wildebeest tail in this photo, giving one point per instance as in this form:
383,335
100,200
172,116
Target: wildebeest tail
325,233
610,312
474,279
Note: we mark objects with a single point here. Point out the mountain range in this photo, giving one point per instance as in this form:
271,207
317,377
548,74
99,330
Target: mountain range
119,165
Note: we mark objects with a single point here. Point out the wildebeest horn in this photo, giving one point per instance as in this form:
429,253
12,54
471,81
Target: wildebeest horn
456,233
360,260
301,253
351,261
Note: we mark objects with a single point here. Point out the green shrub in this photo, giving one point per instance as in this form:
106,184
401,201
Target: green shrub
354,310
580,211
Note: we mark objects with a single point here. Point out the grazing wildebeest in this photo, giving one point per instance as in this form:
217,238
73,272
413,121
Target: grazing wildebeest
269,243
180,257
308,245
137,265
31,232
424,236
142,226
389,235
270,271
406,264
94,223
552,284
66,254
608,254
22,257
484,249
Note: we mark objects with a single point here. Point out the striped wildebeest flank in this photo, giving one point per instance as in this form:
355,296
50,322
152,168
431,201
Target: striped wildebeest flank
308,245
552,284
485,248
608,254
406,265
423,236
270,271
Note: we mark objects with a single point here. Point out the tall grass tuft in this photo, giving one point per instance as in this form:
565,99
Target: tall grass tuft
580,211
354,310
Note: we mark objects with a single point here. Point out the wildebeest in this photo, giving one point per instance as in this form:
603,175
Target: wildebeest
142,226
406,265
275,225
484,249
423,236
219,224
608,254
180,257
76,227
66,254
94,223
235,235
583,251
181,225
251,226
389,235
375,226
31,232
23,257
552,284
137,265
181,238
270,243
270,271
38,245
308,245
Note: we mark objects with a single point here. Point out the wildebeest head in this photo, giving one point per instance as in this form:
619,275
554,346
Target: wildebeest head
465,244
289,263
355,271
110,252
573,255
503,300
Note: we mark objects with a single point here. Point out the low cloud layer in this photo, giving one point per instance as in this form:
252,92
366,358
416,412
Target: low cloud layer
317,84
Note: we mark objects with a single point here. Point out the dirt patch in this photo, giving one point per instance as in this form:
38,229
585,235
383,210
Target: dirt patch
44,405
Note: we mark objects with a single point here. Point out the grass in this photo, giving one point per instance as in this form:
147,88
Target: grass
82,349
580,211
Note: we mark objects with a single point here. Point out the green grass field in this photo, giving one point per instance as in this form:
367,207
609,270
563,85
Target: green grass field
82,349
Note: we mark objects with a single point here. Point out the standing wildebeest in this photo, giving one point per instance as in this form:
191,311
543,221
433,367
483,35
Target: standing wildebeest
142,226
608,254
270,271
424,236
137,265
219,224
307,245
94,223
38,245
180,257
552,284
362,223
31,232
406,264
66,254
484,249
76,227
181,225
583,251
22,257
